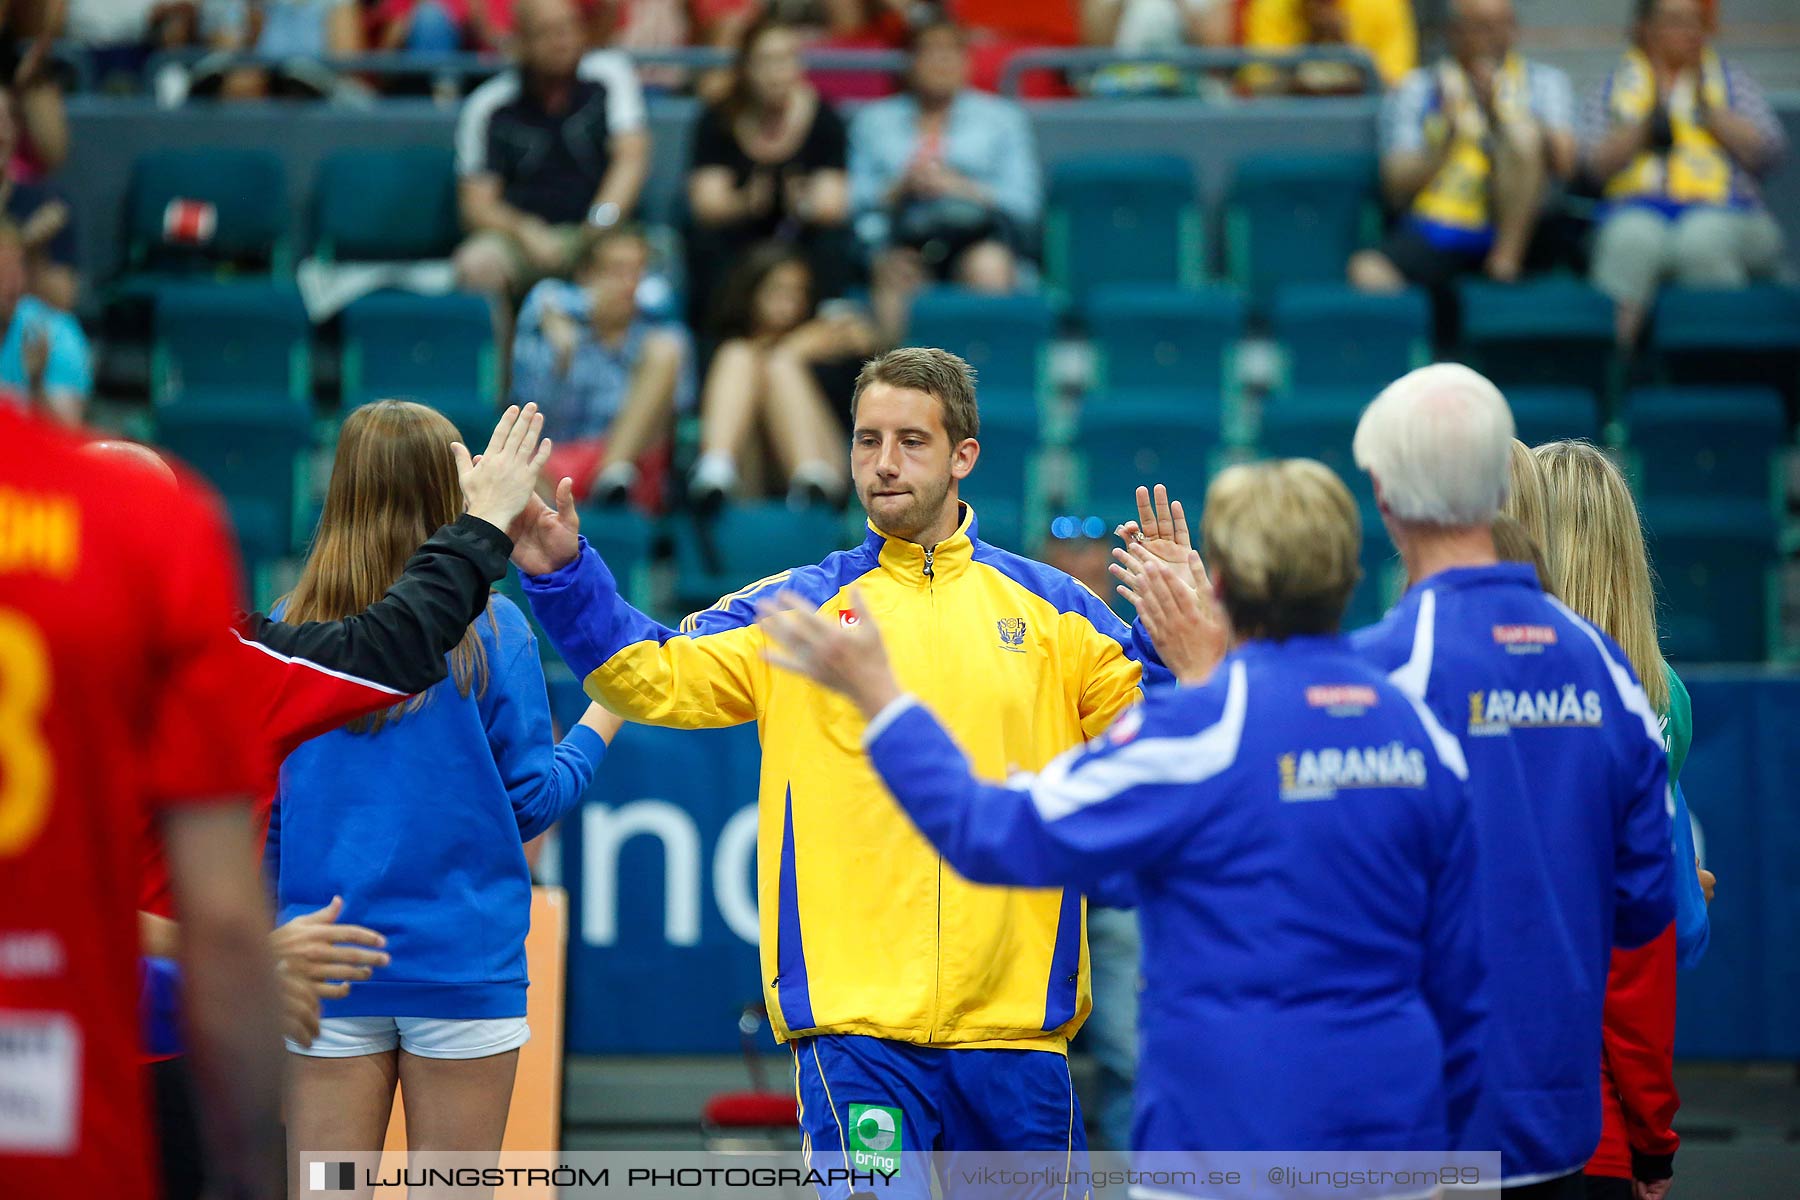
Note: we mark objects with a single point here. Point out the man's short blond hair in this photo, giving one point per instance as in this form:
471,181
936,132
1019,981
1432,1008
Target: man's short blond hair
1286,538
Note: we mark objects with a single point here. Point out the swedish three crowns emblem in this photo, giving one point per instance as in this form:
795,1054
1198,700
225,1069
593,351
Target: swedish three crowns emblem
1012,632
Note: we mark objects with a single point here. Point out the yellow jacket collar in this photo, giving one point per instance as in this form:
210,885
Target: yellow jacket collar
908,561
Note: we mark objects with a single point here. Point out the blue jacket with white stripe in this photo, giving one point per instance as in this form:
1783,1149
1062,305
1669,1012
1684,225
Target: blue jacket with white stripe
1300,845
1568,783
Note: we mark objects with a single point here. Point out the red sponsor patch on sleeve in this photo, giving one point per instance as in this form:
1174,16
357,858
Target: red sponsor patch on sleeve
1342,695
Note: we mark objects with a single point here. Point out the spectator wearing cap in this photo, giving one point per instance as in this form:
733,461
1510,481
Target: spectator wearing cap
549,154
1469,146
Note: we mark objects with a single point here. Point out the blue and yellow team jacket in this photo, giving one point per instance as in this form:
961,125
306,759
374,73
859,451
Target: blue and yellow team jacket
865,930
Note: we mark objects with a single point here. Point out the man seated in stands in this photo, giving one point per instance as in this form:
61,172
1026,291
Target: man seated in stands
1470,147
607,378
549,154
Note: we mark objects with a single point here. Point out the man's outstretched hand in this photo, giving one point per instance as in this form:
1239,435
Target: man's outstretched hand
497,483
547,539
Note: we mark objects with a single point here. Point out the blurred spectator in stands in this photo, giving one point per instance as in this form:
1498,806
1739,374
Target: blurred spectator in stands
1469,146
44,355
1000,29
1382,28
45,224
852,25
636,25
768,164
28,29
781,381
550,154
1150,27
944,181
300,33
120,35
424,26
607,378
1677,138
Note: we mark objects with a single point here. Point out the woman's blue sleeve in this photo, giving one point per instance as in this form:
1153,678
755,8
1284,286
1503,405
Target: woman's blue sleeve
545,778
1693,929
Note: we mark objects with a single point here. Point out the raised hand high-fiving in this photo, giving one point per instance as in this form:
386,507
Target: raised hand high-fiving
547,539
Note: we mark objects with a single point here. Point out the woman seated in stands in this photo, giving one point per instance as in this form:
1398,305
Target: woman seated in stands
944,180
768,164
779,384
1677,138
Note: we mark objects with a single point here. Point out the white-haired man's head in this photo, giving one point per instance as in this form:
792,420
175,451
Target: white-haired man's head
1438,443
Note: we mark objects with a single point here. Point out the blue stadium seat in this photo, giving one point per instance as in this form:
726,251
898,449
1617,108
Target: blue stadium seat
1713,560
255,460
745,543
438,350
1129,218
386,204
1706,442
1125,443
1553,332
230,385
1332,335
247,192
231,347
1548,414
1162,339
1318,423
1297,218
1748,336
1005,338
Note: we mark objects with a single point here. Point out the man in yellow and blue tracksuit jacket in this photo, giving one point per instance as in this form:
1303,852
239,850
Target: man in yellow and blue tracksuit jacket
906,992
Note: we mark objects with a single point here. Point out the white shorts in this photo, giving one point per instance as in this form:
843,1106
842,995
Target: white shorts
427,1037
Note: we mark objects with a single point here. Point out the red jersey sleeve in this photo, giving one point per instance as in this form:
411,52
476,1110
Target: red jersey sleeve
1638,1041
203,741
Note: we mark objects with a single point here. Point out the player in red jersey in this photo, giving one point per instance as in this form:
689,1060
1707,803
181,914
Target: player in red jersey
117,696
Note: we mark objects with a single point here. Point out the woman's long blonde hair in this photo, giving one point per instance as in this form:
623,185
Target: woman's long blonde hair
1595,548
1526,504
393,484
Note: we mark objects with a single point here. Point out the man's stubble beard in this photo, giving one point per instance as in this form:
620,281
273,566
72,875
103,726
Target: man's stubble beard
916,517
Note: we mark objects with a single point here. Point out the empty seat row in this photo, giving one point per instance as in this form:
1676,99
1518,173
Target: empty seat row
1157,338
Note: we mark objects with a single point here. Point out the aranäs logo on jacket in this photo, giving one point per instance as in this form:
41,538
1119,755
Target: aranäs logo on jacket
1497,713
1320,774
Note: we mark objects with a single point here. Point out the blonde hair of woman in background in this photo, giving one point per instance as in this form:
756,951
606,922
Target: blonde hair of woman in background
1527,504
1594,545
1514,543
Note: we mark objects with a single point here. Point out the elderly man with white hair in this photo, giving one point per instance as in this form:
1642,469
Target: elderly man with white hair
1567,774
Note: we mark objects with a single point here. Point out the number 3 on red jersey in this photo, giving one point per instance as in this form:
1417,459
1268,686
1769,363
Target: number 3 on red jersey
26,766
